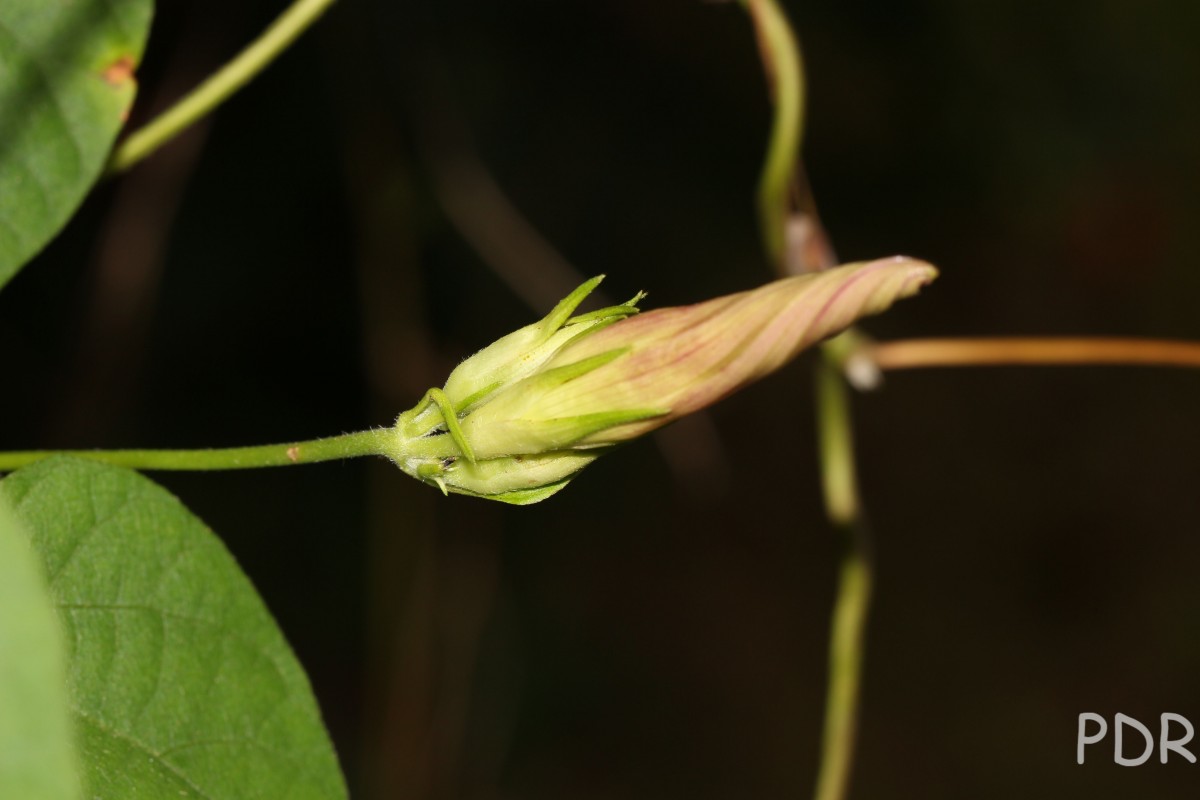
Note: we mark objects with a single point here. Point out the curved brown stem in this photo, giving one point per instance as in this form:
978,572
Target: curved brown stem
1045,351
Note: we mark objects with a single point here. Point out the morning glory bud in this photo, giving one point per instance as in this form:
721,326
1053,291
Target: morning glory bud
520,418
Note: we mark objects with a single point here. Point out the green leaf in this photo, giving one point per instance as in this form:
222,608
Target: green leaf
66,84
36,758
181,684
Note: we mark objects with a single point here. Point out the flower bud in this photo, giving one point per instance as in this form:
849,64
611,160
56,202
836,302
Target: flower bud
516,421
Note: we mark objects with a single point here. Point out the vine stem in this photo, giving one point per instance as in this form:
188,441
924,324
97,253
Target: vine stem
843,506
781,57
349,445
1000,351
218,86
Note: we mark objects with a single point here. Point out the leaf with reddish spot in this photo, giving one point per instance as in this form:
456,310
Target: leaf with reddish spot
65,90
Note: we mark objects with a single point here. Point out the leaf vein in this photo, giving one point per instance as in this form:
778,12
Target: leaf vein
143,747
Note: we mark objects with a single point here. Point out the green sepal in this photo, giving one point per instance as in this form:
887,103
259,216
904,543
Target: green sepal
514,356
471,400
567,431
589,329
561,313
450,418
626,309
560,375
525,497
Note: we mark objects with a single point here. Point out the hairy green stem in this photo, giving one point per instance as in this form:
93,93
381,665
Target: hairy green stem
846,642
219,86
785,69
349,445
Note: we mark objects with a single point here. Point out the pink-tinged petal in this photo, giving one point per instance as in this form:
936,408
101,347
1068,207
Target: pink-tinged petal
712,349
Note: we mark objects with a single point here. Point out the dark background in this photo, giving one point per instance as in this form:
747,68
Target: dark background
658,630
